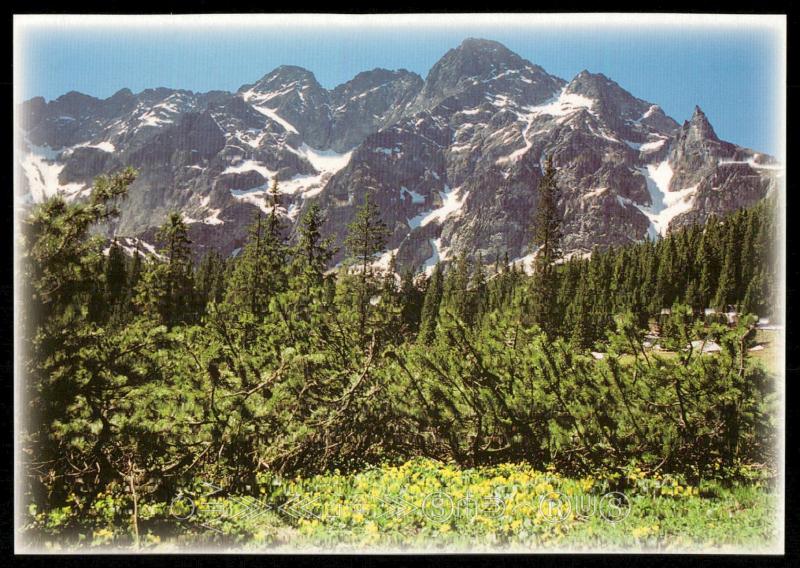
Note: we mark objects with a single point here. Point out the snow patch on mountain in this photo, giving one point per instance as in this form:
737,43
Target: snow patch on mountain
602,133
665,204
518,153
257,101
149,249
274,116
306,185
434,258
652,146
213,219
105,146
159,114
252,136
451,204
42,171
461,148
255,196
324,161
524,262
649,112
471,111
563,104
415,197
247,166
647,147
385,258
752,163
132,245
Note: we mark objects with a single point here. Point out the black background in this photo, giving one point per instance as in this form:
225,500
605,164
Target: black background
792,520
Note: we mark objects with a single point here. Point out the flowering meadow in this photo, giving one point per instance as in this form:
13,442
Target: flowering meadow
427,505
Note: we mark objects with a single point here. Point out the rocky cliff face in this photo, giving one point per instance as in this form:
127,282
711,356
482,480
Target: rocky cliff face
453,160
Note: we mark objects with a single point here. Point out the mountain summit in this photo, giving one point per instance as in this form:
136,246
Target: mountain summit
480,66
699,126
453,160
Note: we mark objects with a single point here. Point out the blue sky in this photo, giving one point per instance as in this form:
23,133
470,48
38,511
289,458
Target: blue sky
729,71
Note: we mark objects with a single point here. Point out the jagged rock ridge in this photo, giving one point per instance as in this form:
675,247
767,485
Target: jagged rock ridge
453,160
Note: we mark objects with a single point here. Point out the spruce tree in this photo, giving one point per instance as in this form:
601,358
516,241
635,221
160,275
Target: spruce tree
582,328
430,306
411,299
115,273
132,284
167,289
276,250
709,264
246,287
547,240
666,275
311,253
260,270
210,279
478,291
456,289
366,237
115,280
728,278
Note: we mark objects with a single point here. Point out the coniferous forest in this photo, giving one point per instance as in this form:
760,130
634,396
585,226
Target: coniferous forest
147,375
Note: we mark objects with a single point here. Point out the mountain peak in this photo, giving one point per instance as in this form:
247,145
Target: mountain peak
478,57
595,85
598,87
480,44
376,79
616,104
289,70
475,57
283,75
586,74
379,74
125,92
76,97
482,65
700,125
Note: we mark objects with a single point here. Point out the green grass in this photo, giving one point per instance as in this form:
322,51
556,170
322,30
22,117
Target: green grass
424,504
768,356
773,349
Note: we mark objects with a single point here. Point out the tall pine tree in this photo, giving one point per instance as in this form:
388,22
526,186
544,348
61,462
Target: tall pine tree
366,237
547,240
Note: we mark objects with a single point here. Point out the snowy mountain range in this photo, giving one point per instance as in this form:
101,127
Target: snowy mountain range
453,160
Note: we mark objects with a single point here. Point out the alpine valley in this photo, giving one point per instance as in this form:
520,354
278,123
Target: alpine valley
453,161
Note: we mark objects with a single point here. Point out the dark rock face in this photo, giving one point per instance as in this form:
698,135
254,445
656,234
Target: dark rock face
697,151
368,102
196,137
619,109
453,160
294,94
87,163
